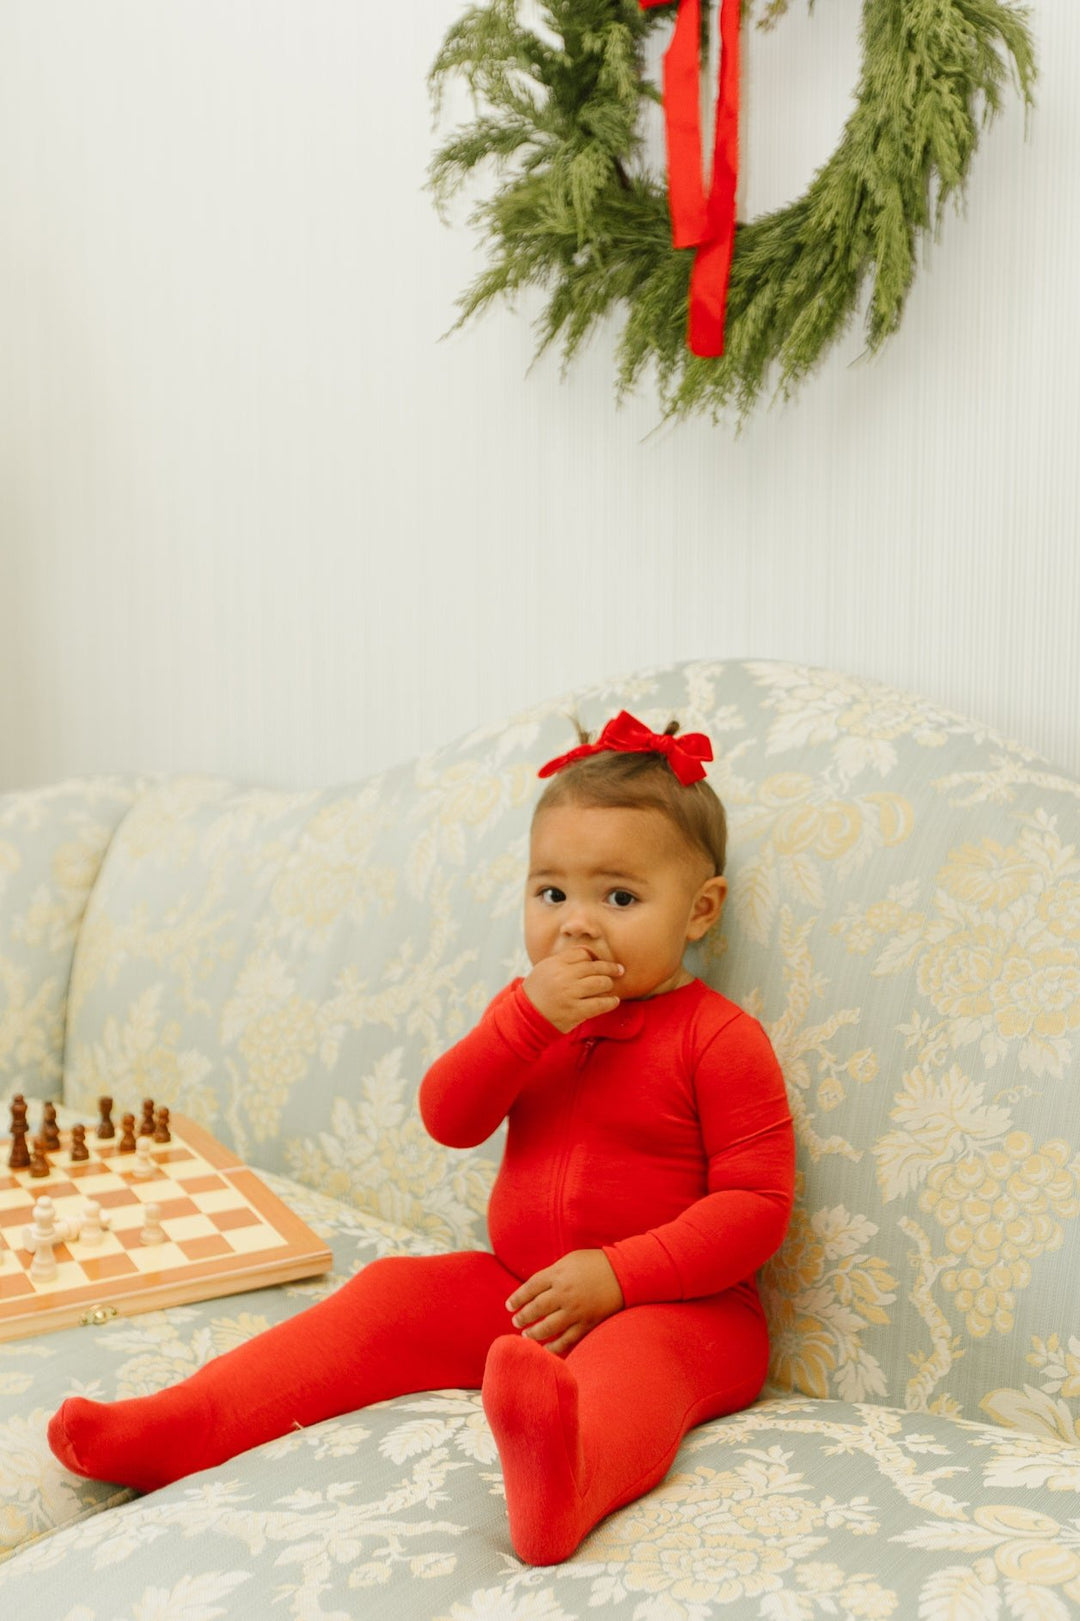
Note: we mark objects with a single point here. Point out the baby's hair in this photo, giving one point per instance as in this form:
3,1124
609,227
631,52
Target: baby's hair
616,780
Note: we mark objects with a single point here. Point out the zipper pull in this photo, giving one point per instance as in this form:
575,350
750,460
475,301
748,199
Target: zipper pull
586,1050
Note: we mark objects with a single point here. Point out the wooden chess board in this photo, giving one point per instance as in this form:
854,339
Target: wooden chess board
225,1232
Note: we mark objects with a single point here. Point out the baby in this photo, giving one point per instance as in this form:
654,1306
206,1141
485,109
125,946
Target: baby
648,1173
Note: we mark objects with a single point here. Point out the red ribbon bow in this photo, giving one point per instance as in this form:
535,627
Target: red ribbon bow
697,220
626,735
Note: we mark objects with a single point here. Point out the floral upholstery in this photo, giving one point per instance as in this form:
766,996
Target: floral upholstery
904,917
792,1509
52,843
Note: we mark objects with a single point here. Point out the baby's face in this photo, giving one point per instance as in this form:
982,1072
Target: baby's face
623,884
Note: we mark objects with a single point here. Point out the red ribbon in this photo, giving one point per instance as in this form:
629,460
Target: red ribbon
626,735
697,220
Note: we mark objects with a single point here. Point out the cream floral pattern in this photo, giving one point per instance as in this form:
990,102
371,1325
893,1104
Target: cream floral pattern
999,958
382,1159
999,1201
52,843
1052,1408
858,721
799,829
905,920
823,1291
752,1524
792,1508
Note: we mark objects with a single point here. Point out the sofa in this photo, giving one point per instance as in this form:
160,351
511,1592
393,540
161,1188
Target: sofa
903,917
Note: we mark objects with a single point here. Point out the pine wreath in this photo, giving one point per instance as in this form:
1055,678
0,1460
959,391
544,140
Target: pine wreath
576,213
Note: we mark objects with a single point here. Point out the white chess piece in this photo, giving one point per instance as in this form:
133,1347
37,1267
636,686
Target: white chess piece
47,1231
144,1161
152,1230
94,1224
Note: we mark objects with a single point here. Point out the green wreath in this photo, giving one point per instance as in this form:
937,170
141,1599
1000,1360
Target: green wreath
575,213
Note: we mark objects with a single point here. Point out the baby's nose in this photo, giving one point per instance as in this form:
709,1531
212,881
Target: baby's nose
579,924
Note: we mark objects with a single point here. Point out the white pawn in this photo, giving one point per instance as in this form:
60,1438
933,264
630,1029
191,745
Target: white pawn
94,1224
144,1161
43,1236
152,1230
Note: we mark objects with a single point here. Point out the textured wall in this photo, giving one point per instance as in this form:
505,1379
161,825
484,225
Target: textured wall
256,518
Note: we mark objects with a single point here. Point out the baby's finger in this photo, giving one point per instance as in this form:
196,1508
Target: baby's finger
591,989
599,979
533,1312
548,1327
527,1291
595,1005
566,1340
602,968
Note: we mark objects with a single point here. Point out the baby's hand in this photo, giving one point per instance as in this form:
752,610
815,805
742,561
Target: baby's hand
572,986
560,1304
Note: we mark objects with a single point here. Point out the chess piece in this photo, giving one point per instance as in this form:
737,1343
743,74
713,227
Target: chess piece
162,1134
49,1129
144,1160
126,1145
19,1158
39,1165
95,1223
46,1232
106,1128
79,1150
20,1154
152,1231
146,1128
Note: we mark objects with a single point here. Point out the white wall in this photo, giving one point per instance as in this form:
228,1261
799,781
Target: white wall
256,518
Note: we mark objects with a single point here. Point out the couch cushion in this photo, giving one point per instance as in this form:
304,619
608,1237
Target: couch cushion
282,967
135,1355
904,917
791,1511
52,841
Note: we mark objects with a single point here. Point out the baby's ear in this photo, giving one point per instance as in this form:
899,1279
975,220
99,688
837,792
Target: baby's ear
707,907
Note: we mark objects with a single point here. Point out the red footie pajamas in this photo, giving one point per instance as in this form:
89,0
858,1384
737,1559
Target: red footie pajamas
659,1133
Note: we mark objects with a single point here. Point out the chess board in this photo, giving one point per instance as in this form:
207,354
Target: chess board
225,1232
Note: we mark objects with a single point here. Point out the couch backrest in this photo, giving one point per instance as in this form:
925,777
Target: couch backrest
904,918
52,841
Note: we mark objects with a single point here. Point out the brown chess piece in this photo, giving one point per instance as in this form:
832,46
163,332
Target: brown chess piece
18,1113
50,1131
19,1158
146,1128
126,1145
79,1150
106,1128
39,1165
162,1134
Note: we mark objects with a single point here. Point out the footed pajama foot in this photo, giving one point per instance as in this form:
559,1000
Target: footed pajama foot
144,1443
531,1400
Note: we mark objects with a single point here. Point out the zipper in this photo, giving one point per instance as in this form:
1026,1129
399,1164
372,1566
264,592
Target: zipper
587,1046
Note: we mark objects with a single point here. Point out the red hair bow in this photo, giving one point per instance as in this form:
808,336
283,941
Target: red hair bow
625,735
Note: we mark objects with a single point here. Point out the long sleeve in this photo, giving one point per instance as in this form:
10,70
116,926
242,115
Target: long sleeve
467,1093
725,1236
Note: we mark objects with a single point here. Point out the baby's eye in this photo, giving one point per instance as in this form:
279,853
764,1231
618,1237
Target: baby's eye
623,899
550,892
